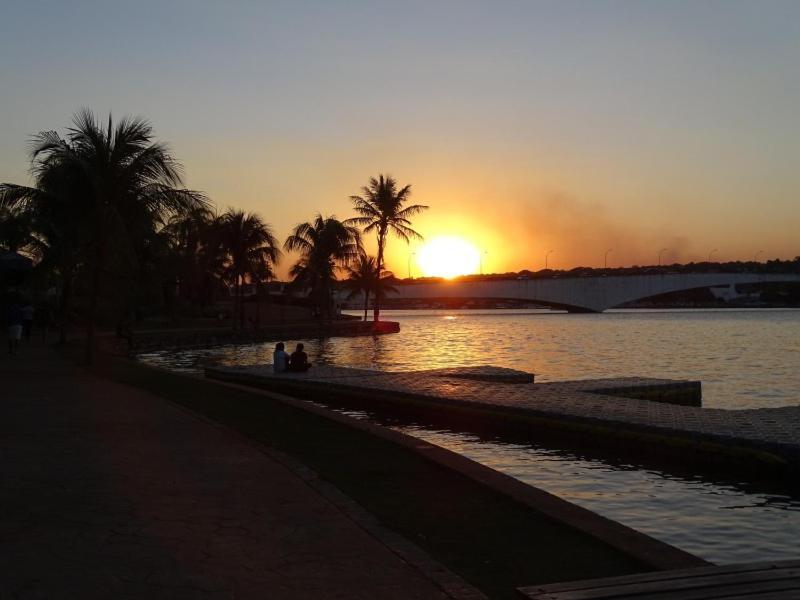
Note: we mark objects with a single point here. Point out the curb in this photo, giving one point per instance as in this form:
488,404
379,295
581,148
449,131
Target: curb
708,448
652,552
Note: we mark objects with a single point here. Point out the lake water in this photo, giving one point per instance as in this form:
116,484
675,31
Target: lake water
721,521
745,359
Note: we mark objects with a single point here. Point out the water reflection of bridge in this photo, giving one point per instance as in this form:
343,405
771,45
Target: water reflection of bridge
583,294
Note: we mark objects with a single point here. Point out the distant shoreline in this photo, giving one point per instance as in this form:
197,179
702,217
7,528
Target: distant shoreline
162,339
659,306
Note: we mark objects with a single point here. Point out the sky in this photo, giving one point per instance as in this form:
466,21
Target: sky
576,127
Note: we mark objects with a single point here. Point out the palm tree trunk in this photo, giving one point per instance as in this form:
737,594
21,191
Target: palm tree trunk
237,302
366,303
241,302
235,315
66,296
379,270
93,302
241,305
233,310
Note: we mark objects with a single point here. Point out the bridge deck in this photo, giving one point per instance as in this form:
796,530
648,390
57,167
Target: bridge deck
583,294
596,402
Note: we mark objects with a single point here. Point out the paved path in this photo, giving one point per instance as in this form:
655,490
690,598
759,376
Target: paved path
774,429
107,491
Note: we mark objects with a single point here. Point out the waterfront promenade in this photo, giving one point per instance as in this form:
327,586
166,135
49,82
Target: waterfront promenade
111,492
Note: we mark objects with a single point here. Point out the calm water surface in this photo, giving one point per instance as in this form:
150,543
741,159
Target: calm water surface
745,359
721,521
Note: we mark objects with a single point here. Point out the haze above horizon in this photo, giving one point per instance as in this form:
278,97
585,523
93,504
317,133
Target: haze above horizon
526,126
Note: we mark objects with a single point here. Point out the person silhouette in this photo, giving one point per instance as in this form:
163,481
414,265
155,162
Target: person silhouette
27,320
14,320
299,360
280,359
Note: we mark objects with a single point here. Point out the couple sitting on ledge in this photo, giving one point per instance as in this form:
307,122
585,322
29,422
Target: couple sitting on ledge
297,362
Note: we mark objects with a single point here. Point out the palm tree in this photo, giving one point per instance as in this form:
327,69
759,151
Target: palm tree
131,182
381,211
325,244
362,279
196,253
16,230
56,206
252,252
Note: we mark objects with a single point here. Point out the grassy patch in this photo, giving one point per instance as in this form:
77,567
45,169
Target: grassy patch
493,542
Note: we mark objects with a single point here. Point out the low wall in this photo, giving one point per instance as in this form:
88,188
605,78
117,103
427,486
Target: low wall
756,459
151,341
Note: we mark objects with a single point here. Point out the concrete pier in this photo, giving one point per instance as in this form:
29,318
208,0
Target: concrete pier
645,410
154,340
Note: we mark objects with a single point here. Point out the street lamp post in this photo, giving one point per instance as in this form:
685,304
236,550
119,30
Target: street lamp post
605,258
755,258
660,252
546,256
483,253
710,254
409,263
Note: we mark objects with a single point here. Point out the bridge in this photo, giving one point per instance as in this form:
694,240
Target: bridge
584,294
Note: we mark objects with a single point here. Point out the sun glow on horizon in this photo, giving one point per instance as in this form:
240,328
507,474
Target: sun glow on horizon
448,256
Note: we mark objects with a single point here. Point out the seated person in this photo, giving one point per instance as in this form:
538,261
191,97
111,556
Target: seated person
280,359
299,360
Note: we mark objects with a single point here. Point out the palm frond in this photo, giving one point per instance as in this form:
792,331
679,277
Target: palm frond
19,196
410,211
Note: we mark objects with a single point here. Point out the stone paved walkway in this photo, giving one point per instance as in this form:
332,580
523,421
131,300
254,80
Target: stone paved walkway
109,492
774,429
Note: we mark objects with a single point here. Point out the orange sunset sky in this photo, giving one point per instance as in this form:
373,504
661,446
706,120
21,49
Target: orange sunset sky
526,126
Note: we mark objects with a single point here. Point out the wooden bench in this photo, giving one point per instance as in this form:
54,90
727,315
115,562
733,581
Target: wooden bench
754,581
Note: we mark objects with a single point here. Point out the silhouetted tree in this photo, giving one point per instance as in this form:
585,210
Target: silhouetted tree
381,209
131,182
362,278
325,244
56,209
197,258
251,250
16,230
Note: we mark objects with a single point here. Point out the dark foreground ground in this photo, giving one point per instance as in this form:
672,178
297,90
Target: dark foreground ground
111,489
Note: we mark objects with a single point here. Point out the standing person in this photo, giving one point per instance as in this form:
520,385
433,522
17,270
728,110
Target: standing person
14,324
299,360
46,318
27,320
280,359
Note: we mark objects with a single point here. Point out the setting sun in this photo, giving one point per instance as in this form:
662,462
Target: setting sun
448,257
